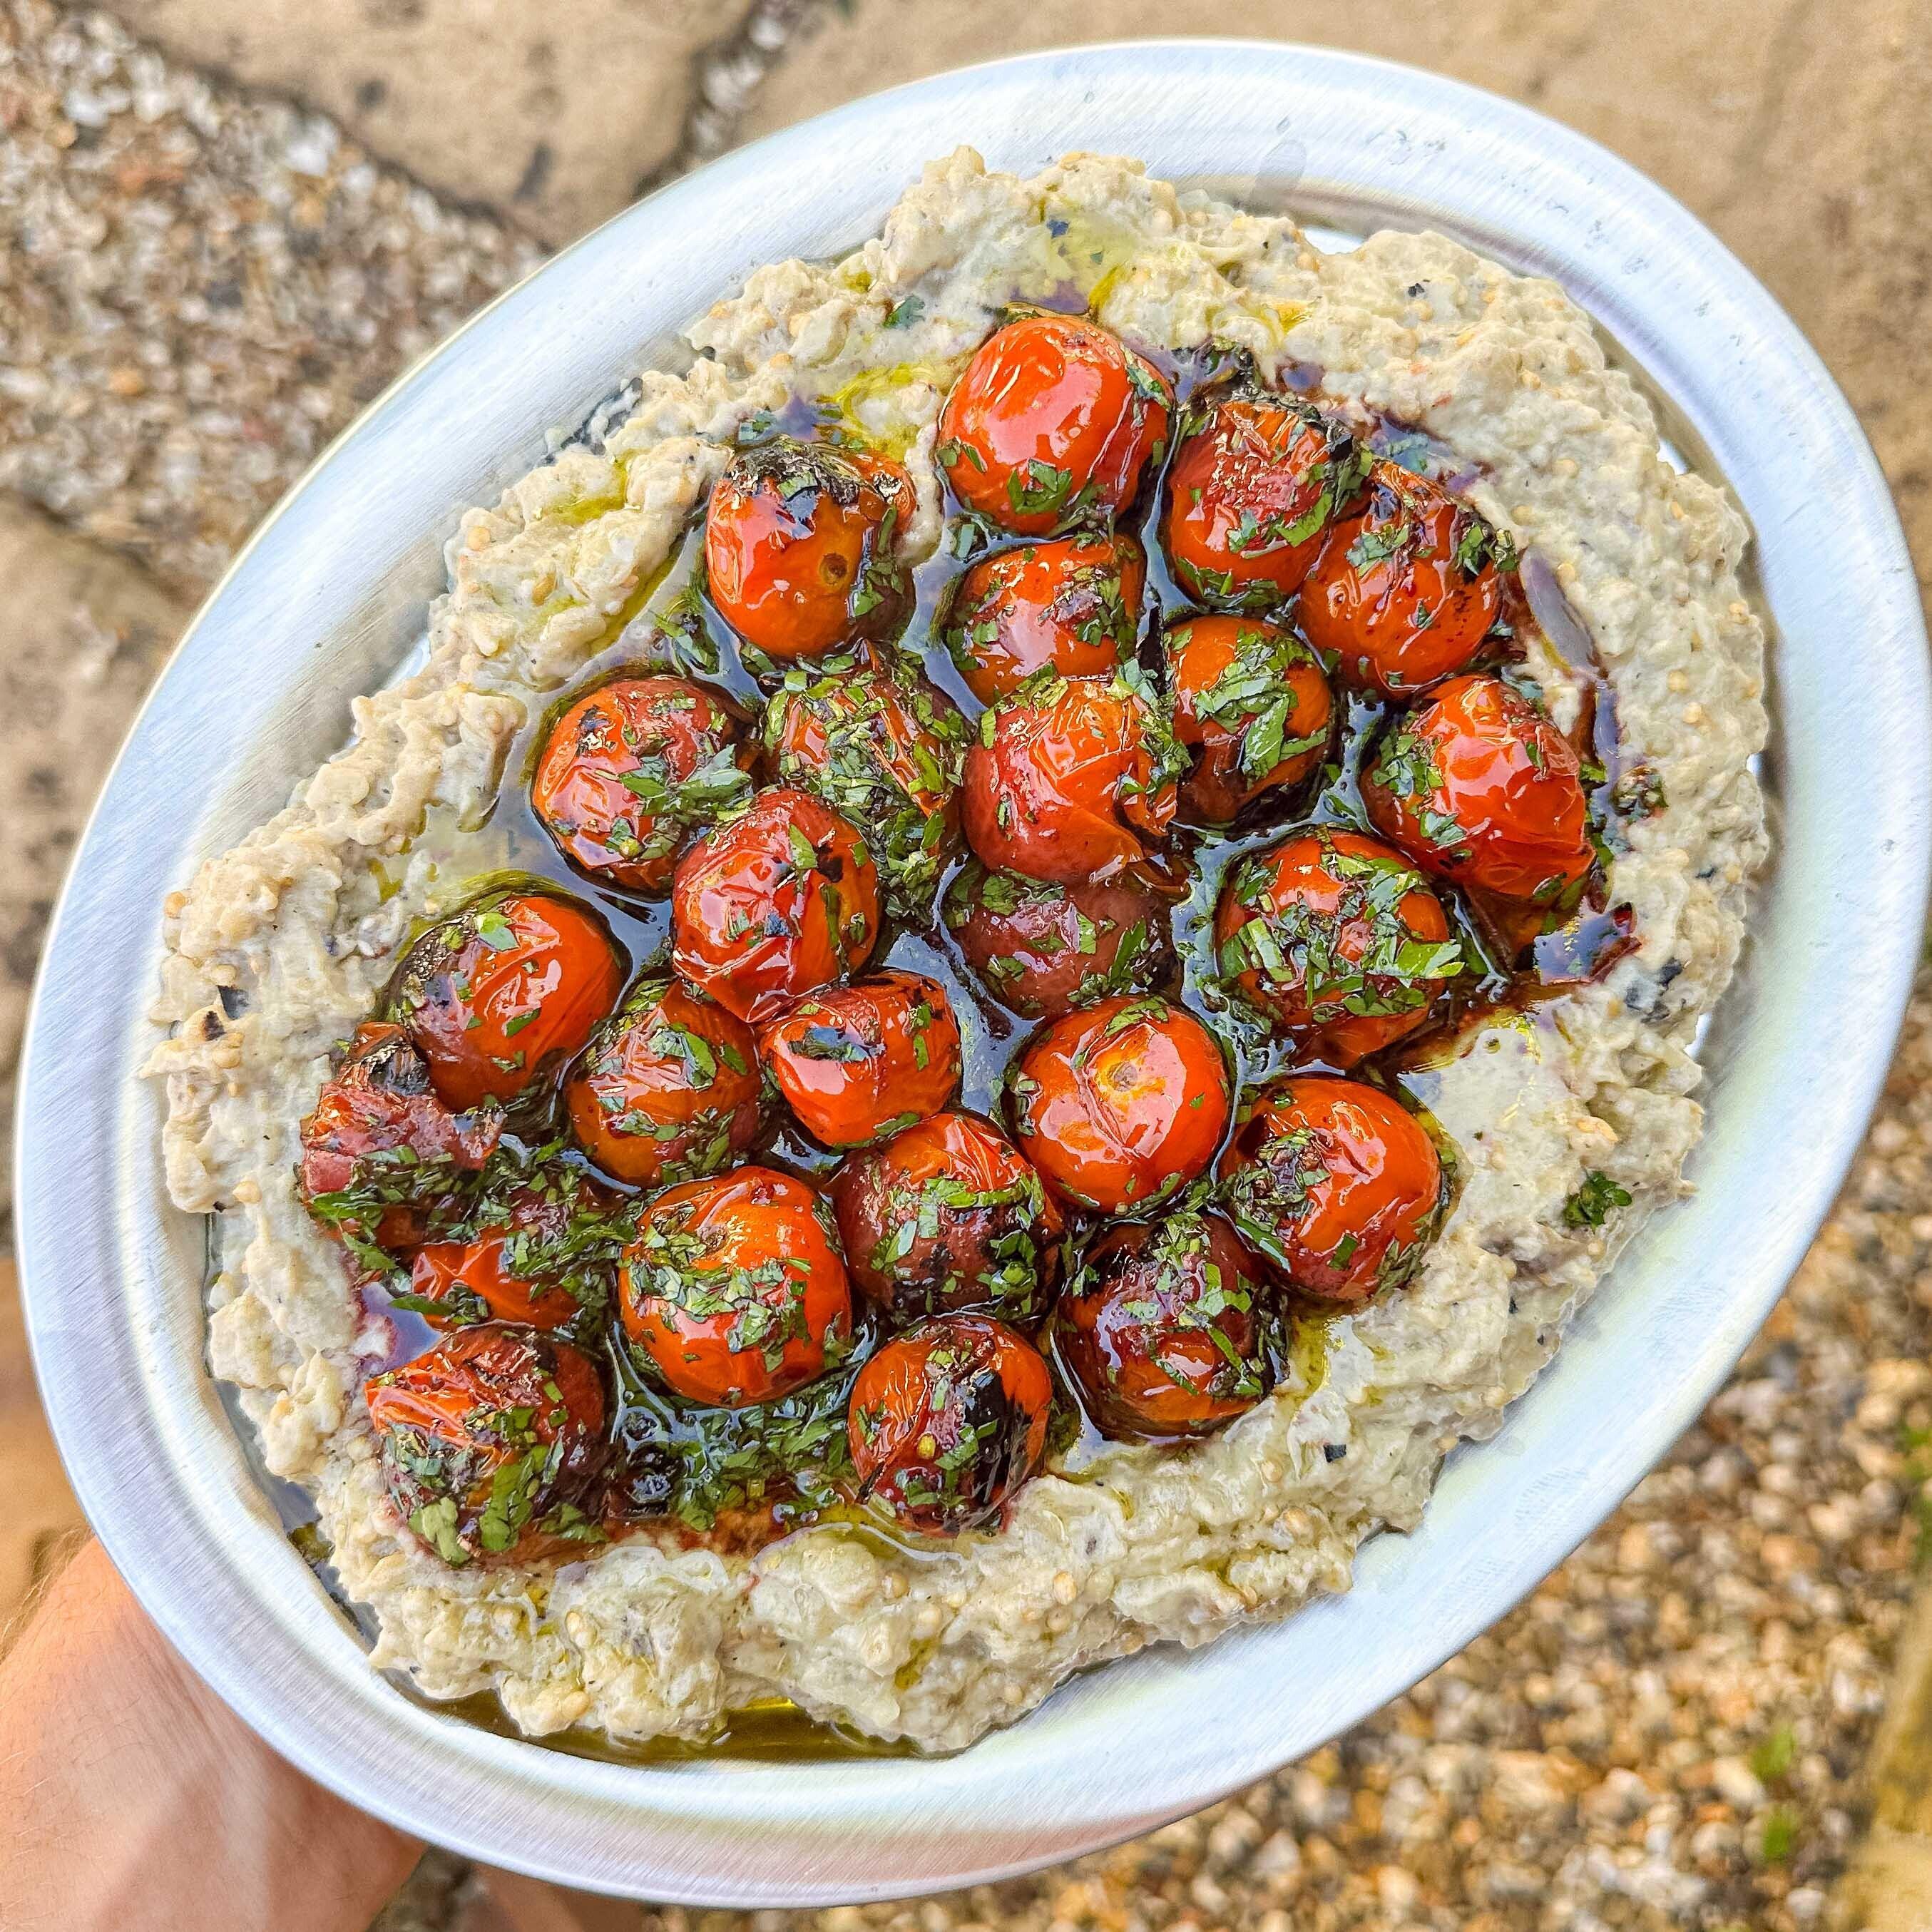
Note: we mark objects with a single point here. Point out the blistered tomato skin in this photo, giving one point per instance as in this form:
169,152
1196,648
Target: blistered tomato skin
668,1088
948,1215
1339,939
734,1288
947,1421
776,903
801,547
1042,950
882,746
1251,703
629,772
352,1176
1478,786
491,1445
1336,1184
1406,588
1162,1328
1122,1106
856,1064
1051,425
536,1251
1250,496
1072,779
497,998
1072,605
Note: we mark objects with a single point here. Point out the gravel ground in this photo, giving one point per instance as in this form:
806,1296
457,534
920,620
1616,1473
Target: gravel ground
196,289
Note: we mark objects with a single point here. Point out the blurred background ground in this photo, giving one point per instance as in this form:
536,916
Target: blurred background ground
219,239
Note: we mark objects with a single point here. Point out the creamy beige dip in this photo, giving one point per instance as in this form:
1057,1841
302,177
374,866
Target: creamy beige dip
304,920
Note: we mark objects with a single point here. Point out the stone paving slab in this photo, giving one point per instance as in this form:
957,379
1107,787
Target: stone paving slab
550,114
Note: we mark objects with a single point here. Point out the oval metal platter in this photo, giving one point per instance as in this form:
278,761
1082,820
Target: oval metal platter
328,597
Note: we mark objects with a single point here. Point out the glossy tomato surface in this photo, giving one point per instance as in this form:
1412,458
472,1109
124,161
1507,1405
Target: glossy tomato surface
881,744
1477,786
775,903
497,998
383,1160
733,1289
1251,703
627,774
948,1421
1072,779
801,547
668,1088
491,1445
1250,495
948,1215
1163,1327
1339,939
1407,587
1121,1106
1336,1183
1072,605
856,1063
1051,425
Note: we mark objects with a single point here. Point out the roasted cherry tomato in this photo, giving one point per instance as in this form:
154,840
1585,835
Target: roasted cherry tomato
858,1063
1478,786
949,1214
1250,496
780,900
491,1443
1339,939
1121,1106
497,998
1073,604
1044,949
801,547
630,771
735,1289
537,1246
1407,587
1251,703
948,1421
1163,1327
881,744
1071,779
1052,424
668,1088
383,1160
1336,1184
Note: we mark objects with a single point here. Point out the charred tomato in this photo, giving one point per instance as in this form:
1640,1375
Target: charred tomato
668,1088
628,772
490,1443
1478,786
779,900
1121,1106
1051,425
948,1421
857,1062
1163,1327
1072,779
1251,493
801,547
1072,605
946,1216
881,744
1407,587
1336,1184
734,1288
1338,939
1251,704
498,997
